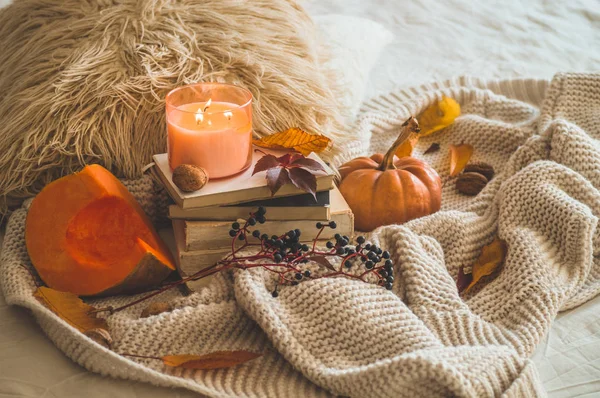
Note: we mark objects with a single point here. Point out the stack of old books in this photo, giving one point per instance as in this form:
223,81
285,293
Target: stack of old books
202,219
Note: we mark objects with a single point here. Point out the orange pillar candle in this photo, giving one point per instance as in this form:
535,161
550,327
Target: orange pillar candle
210,125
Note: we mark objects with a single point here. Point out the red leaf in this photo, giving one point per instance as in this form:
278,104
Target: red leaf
463,280
296,156
307,163
213,360
276,178
322,260
284,160
265,163
304,180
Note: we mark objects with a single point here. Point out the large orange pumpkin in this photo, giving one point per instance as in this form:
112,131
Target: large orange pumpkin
383,189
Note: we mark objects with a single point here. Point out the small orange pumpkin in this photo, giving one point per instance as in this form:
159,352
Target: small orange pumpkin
383,189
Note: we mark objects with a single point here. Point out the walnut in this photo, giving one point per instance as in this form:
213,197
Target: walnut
189,178
471,183
481,168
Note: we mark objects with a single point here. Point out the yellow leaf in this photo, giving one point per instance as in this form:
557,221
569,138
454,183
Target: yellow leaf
296,139
492,256
213,360
459,157
438,116
70,308
406,148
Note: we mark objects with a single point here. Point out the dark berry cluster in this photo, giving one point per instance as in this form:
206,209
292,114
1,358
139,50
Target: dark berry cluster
284,248
287,253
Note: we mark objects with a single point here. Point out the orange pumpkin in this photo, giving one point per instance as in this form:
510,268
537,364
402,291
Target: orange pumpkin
383,189
86,234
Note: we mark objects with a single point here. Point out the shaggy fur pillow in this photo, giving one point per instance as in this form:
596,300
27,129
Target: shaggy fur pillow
83,81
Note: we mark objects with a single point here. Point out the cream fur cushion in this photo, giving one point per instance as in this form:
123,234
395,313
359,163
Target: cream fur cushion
83,81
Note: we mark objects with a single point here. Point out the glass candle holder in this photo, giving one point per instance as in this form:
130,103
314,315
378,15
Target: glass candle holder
210,125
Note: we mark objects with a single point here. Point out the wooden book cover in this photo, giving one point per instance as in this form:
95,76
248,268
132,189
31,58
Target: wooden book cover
243,187
202,235
299,207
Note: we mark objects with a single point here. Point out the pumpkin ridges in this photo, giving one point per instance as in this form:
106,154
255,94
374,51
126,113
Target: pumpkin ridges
421,202
382,196
356,164
361,206
391,182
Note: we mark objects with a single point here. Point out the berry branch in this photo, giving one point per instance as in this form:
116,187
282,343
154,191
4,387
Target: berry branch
287,257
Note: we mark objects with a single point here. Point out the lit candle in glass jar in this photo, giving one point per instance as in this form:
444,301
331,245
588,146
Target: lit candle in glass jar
210,125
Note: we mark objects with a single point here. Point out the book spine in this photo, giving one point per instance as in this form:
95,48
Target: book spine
233,213
203,235
193,261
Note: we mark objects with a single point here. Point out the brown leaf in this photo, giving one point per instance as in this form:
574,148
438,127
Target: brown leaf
438,116
406,148
213,360
276,178
492,256
432,148
459,157
156,309
463,279
297,139
322,260
265,163
304,180
70,308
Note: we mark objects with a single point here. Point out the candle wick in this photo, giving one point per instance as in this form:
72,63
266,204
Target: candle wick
201,111
207,105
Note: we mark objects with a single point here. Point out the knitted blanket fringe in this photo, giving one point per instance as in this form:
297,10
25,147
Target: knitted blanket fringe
337,336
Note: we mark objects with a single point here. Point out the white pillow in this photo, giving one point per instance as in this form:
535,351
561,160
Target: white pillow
355,45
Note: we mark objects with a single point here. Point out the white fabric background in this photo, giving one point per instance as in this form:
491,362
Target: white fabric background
436,40
433,40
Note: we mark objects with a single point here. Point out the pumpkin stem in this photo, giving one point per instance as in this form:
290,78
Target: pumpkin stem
411,125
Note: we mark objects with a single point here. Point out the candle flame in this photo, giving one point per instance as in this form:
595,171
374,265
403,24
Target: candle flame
228,115
200,112
207,104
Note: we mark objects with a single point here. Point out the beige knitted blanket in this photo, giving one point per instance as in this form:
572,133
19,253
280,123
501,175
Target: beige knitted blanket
337,336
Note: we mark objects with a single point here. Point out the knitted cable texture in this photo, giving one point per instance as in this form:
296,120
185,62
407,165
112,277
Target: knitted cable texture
338,336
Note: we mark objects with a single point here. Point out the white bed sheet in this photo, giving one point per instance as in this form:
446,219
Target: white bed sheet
434,40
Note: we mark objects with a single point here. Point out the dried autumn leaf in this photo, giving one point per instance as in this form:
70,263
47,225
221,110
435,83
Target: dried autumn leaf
213,360
463,279
289,168
70,308
276,178
322,260
296,139
406,148
459,157
265,163
438,116
492,256
304,180
307,163
432,148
